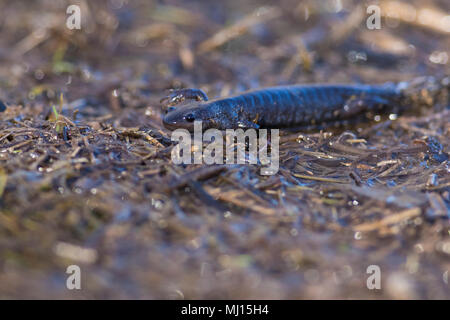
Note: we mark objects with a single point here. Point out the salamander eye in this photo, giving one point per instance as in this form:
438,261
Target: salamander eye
189,117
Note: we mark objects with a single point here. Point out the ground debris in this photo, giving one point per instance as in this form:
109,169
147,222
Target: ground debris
86,175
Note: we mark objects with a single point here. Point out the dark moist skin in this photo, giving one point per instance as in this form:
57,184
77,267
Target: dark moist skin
294,106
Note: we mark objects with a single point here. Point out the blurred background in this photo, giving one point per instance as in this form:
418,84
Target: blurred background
222,46
84,155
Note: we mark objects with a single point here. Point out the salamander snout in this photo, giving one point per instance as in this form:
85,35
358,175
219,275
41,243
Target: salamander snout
182,117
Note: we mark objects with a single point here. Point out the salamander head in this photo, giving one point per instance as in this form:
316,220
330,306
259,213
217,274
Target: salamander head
183,117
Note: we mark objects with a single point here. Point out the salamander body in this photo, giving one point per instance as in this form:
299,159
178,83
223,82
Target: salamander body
293,106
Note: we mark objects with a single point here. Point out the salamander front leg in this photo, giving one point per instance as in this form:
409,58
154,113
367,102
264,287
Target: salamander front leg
177,96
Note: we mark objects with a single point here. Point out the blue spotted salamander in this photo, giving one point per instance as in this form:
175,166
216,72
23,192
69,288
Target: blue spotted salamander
293,106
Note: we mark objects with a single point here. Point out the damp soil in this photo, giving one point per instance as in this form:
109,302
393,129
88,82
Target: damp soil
86,176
